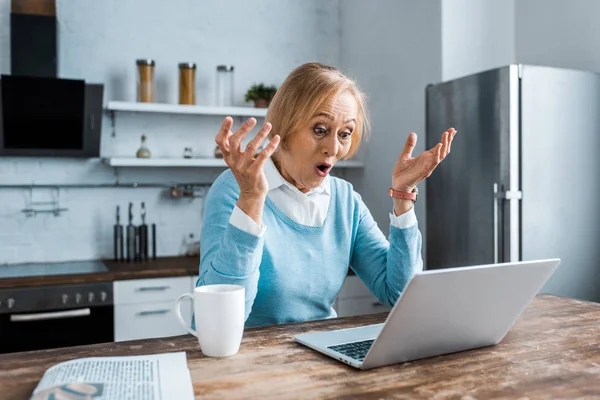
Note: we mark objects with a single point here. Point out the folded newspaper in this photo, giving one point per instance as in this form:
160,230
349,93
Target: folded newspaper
149,377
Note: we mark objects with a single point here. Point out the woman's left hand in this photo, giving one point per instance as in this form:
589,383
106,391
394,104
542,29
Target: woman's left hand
409,171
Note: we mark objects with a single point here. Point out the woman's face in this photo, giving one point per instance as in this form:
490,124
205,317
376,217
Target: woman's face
308,154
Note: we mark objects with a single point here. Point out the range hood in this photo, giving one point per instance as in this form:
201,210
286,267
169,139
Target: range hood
33,38
41,114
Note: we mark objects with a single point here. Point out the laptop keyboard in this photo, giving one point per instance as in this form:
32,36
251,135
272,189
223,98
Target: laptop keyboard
356,350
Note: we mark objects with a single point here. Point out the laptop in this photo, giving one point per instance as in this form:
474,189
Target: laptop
440,312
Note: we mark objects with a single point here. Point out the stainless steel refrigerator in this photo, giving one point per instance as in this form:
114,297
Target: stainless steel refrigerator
522,181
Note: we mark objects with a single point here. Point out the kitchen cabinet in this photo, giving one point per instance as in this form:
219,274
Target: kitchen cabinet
152,320
356,299
145,308
150,290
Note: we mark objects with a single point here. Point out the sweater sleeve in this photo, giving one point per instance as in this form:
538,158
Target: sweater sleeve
385,267
228,255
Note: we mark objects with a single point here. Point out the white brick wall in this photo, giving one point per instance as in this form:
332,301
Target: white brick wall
85,230
99,41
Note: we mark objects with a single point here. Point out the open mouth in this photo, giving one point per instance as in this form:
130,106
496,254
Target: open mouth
323,169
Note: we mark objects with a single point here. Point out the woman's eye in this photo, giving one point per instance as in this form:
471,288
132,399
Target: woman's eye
345,135
319,130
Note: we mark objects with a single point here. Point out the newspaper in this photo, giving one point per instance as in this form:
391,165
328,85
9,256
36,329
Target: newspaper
149,377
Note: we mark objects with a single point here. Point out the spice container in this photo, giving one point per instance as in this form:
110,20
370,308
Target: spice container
143,151
224,87
145,81
187,78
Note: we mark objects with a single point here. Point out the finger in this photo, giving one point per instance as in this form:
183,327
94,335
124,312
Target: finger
447,149
256,142
411,142
435,154
222,138
444,144
236,139
451,139
435,160
224,129
267,152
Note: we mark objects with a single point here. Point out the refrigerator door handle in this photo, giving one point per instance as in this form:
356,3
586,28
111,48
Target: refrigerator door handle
499,196
496,198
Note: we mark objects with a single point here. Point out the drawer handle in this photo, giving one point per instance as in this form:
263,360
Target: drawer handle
152,288
153,312
83,312
377,304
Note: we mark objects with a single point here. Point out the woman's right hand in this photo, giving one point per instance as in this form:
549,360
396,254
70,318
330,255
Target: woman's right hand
247,169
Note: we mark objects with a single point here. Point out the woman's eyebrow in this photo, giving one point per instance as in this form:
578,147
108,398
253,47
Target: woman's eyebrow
322,114
331,117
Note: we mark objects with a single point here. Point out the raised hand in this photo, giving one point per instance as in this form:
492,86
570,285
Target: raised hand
409,171
247,169
245,166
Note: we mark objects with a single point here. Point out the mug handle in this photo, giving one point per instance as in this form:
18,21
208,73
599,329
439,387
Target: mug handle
178,311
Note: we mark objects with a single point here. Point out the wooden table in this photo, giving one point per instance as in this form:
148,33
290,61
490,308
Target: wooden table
552,352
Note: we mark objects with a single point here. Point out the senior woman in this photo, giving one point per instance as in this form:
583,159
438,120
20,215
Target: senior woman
278,224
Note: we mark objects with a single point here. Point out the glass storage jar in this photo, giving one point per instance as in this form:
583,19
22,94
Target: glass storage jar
224,87
145,81
187,78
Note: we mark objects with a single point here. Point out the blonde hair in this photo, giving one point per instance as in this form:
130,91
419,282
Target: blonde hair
302,94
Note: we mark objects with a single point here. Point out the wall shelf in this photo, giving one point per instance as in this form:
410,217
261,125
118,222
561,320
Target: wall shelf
166,108
193,162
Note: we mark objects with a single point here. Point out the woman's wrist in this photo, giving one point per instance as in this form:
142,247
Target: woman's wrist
402,201
402,206
252,206
403,188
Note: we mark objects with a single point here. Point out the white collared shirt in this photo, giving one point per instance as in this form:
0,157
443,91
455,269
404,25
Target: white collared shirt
304,208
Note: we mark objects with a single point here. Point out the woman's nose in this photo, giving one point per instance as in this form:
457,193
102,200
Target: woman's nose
331,145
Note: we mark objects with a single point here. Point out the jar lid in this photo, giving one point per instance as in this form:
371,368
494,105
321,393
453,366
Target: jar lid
145,61
226,68
187,65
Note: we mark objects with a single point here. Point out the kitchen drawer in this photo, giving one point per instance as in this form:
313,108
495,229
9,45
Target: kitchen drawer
150,290
361,306
353,287
152,320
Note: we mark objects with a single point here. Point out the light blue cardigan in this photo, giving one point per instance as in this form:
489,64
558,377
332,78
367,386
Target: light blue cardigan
294,272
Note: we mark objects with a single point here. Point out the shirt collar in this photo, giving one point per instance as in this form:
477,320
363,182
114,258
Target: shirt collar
275,180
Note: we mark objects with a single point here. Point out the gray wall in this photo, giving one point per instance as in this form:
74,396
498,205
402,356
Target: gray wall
476,35
479,35
99,42
558,33
393,49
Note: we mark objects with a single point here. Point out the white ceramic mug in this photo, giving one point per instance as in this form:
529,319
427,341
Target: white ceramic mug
219,318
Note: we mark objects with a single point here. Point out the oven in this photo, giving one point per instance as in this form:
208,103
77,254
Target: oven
45,317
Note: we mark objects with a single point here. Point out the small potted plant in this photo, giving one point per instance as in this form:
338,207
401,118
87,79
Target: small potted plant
261,94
